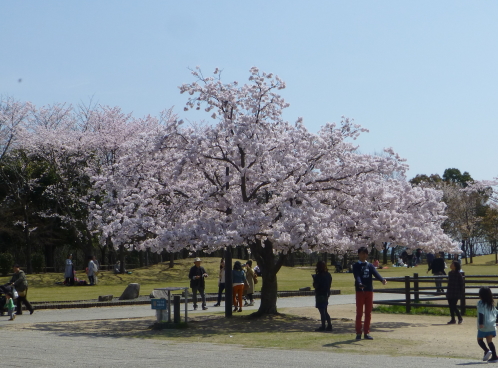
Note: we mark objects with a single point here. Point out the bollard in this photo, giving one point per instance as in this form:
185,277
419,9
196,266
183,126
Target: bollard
462,301
407,294
415,288
176,309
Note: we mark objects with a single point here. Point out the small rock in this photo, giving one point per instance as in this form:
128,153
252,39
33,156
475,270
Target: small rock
131,292
307,288
105,298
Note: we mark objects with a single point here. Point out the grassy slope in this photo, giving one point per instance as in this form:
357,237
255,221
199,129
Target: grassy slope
43,287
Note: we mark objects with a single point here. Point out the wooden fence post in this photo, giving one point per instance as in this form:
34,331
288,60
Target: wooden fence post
462,301
415,288
407,294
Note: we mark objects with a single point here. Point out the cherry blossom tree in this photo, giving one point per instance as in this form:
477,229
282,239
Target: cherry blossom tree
13,115
260,182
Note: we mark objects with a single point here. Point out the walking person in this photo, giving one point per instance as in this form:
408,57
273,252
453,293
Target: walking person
363,273
20,282
197,275
221,282
322,282
238,280
69,271
437,266
454,291
486,324
250,277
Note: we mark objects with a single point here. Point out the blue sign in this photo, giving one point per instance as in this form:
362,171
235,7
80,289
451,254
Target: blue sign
159,304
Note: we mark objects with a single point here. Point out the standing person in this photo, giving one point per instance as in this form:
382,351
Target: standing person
486,324
430,259
437,268
20,282
363,272
250,277
322,281
91,270
238,278
221,282
69,271
9,304
197,275
418,256
96,269
454,291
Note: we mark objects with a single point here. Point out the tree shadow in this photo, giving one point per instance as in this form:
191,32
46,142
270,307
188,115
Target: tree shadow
205,326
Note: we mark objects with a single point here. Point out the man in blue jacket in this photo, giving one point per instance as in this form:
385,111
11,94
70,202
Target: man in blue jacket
363,282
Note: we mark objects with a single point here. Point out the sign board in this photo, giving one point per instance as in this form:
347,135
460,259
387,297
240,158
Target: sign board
159,304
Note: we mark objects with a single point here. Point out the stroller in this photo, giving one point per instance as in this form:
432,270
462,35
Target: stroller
3,290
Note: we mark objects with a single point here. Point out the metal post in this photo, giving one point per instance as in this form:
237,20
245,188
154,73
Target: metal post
415,288
228,282
186,304
176,309
407,294
462,301
169,306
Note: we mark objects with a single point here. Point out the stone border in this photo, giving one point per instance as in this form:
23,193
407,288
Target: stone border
212,297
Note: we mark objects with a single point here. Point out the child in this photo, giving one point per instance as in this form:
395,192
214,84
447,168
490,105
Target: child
9,303
486,323
363,272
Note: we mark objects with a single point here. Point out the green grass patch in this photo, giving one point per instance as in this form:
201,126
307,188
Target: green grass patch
433,311
43,287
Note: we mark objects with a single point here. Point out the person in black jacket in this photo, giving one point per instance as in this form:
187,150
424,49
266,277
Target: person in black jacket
197,275
437,268
363,282
322,281
454,292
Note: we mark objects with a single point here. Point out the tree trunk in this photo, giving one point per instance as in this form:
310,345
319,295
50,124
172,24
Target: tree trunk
122,259
171,260
384,254
269,264
29,267
464,249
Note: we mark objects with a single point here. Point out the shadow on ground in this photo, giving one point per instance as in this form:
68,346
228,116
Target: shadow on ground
205,326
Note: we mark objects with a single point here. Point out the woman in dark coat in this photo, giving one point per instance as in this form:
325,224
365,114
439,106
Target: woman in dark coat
322,281
454,291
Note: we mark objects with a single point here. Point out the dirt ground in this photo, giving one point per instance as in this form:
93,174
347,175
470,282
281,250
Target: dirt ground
413,334
394,334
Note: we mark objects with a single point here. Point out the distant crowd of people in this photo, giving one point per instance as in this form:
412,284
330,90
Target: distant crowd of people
244,279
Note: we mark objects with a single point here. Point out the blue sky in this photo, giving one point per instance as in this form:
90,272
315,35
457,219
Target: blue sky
420,75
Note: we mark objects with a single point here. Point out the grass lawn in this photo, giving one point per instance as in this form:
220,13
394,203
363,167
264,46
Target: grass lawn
43,286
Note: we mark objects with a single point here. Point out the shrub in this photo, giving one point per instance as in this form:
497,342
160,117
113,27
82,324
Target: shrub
6,263
38,262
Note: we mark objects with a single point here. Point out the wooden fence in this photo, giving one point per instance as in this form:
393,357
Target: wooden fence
424,296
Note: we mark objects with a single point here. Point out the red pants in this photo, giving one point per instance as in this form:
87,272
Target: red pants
363,298
238,289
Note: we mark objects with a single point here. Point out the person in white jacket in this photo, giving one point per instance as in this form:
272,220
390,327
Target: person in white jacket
91,270
486,324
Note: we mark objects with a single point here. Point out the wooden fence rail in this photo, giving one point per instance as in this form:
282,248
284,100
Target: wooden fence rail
430,292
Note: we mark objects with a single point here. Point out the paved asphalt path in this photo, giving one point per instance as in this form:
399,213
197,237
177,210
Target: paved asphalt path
28,348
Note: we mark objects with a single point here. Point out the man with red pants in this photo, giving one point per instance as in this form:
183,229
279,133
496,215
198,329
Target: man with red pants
363,272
